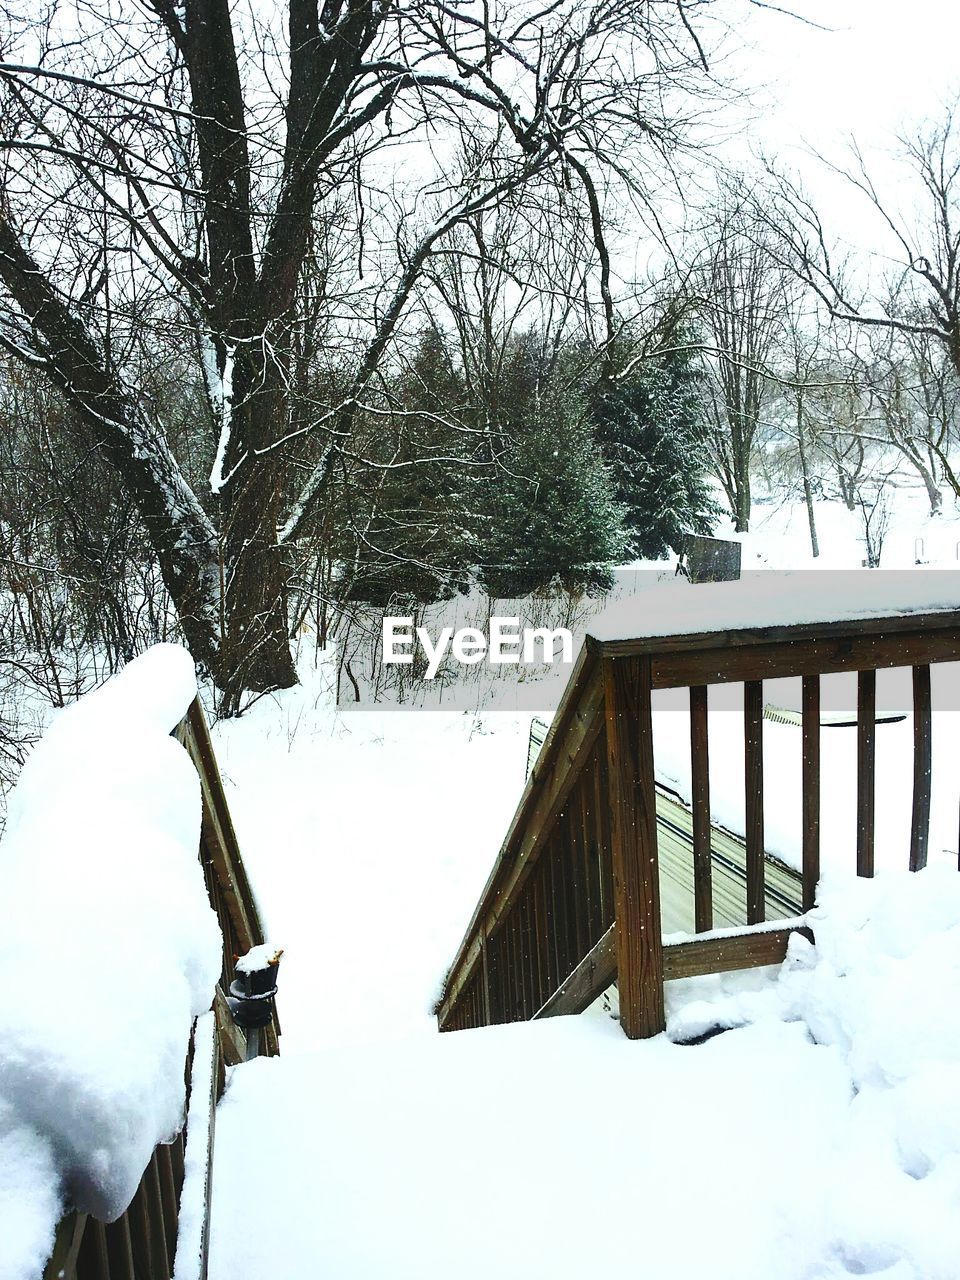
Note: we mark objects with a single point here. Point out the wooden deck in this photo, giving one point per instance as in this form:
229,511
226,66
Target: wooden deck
676,842
598,863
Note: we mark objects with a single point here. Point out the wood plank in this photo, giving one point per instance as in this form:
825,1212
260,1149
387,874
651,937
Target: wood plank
629,722
141,1239
753,784
700,804
810,789
728,951
169,1195
96,1235
485,981
866,769
581,794
922,768
680,668
232,1040
593,974
217,830
748,949
942,625
120,1248
161,1261
565,751
66,1247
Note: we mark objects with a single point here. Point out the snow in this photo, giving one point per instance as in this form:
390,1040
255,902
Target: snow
196,1174
259,958
98,1003
540,1150
30,1202
220,387
368,839
767,599
820,1137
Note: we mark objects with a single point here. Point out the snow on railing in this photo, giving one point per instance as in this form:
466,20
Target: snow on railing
573,901
111,949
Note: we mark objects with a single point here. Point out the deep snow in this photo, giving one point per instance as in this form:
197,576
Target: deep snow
100,850
818,1138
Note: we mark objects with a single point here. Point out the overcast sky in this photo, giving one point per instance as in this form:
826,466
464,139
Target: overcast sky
881,63
877,68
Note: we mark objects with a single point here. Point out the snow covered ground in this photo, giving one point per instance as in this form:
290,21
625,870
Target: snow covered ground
819,1138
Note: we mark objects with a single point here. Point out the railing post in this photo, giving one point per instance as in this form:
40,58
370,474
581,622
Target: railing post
866,769
810,790
636,880
700,804
753,800
922,768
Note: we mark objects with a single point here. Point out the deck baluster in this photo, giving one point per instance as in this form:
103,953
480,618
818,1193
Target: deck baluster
866,769
922,765
753,783
810,789
700,800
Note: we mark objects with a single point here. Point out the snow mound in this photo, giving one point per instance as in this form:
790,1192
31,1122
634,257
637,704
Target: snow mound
109,950
818,1139
881,988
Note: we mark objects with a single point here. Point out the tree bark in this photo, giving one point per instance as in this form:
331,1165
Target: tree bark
112,422
807,487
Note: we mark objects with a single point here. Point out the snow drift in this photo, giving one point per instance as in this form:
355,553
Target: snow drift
108,951
819,1138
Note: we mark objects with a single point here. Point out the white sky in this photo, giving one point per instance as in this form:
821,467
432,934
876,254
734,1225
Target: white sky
882,64
878,69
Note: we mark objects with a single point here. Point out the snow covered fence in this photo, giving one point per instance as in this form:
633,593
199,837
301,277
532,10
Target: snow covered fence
574,896
110,944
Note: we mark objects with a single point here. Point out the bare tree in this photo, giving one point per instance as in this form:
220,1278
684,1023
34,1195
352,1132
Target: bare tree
912,390
184,161
742,291
920,220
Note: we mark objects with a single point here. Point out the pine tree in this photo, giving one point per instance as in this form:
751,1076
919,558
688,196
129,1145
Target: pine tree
405,512
550,514
651,428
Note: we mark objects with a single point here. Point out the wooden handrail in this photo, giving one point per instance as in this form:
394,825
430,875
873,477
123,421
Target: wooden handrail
141,1244
585,827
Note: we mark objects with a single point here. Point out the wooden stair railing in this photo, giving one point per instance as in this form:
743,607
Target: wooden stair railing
141,1244
573,900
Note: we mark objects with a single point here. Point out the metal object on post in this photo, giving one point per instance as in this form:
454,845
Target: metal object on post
252,993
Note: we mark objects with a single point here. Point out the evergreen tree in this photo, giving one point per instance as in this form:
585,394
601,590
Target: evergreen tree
549,514
405,511
651,428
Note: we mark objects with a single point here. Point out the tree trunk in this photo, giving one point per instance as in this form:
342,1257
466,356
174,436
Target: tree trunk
934,494
256,640
744,503
230,593
807,487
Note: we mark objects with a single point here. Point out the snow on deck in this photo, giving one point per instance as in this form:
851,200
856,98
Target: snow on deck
819,1138
768,599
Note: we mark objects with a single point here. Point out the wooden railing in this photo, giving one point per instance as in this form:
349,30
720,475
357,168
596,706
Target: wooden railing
573,901
141,1244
